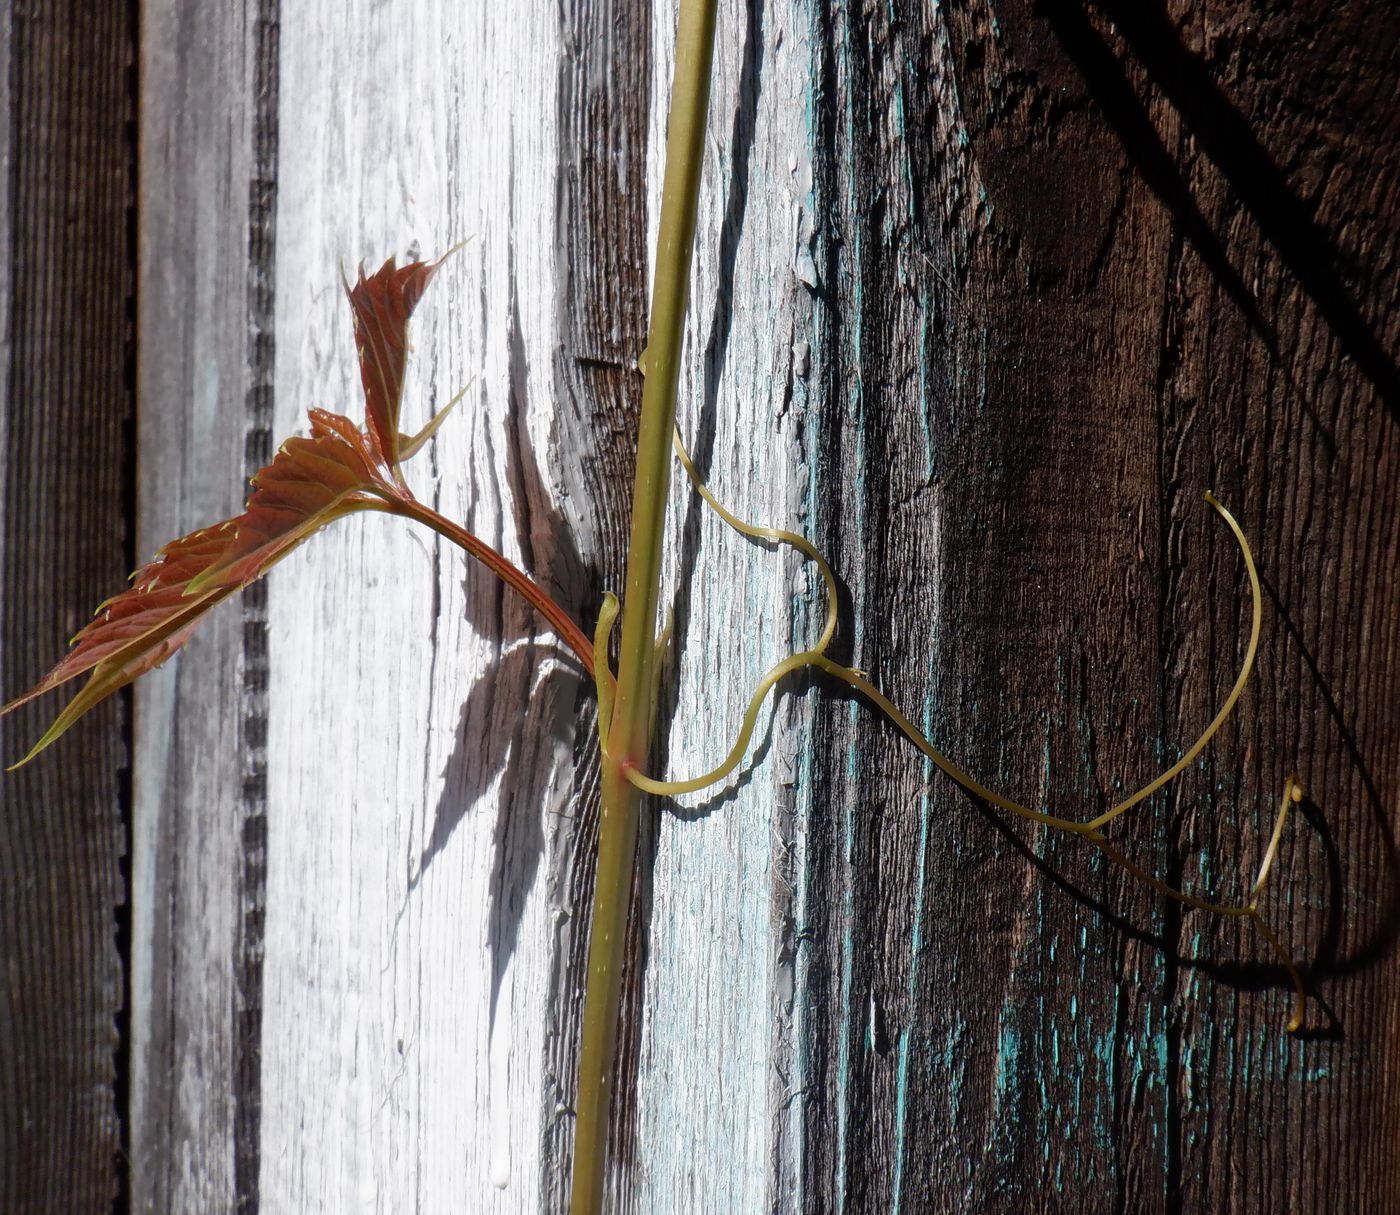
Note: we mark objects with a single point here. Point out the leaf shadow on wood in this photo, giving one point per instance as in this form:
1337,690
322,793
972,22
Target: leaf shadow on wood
520,711
1303,247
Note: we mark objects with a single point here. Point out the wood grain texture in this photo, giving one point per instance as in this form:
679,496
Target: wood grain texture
1086,262
719,1028
984,299
600,283
67,148
411,986
200,726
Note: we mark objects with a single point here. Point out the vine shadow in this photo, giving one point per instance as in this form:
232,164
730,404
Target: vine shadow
1381,942
702,443
1326,961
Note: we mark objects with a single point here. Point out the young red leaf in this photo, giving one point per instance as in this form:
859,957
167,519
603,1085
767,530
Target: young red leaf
339,469
382,305
310,482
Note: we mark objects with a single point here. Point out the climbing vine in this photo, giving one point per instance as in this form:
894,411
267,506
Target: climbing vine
343,467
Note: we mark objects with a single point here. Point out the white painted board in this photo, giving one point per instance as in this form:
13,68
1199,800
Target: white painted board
421,724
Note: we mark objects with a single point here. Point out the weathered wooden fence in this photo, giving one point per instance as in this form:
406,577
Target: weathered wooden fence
986,296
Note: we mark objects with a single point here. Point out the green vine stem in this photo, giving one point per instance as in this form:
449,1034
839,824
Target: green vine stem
628,737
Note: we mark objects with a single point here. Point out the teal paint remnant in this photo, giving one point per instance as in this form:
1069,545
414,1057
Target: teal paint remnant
984,204
854,209
843,1054
1008,1077
1105,1086
901,1113
916,949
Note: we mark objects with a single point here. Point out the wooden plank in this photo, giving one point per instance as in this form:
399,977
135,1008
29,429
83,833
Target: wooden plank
719,1025
65,413
981,300
600,265
208,1143
208,82
410,950
405,911
1094,260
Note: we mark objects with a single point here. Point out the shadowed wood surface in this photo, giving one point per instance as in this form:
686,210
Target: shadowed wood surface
985,298
66,259
1085,262
411,941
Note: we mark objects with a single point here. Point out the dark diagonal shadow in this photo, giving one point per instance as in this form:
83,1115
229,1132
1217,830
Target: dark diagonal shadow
1302,245
1287,223
1112,91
